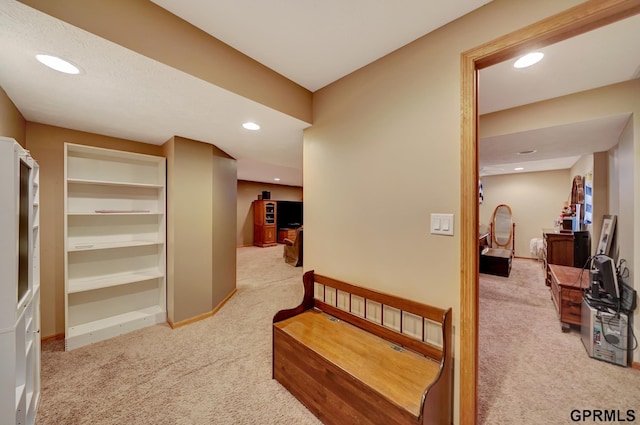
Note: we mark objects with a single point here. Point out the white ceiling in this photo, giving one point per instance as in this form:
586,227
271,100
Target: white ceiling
123,94
557,147
595,59
315,43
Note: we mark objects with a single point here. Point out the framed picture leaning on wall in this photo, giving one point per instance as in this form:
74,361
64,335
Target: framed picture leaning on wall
606,235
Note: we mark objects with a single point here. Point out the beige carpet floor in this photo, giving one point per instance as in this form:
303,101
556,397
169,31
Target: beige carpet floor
215,371
530,371
218,370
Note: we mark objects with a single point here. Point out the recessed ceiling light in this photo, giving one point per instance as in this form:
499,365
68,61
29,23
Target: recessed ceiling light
528,60
58,64
519,168
251,126
527,152
277,179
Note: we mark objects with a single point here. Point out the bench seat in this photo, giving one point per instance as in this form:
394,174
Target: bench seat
352,355
397,374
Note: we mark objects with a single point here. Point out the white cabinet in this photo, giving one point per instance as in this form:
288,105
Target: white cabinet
19,285
114,243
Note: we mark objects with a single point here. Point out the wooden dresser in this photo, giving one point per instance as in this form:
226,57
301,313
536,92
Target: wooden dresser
566,292
566,249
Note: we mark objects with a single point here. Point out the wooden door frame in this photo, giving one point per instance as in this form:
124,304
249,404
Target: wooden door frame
580,19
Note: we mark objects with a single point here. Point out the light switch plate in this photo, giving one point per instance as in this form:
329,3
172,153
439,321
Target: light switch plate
442,224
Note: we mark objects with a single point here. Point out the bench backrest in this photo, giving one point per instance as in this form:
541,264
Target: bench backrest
407,323
422,328
419,327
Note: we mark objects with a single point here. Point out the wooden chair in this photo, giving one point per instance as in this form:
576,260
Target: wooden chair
293,249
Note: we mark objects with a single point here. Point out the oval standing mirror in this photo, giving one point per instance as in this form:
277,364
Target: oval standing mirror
502,227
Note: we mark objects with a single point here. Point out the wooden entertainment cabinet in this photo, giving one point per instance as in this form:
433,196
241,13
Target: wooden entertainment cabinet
264,223
275,221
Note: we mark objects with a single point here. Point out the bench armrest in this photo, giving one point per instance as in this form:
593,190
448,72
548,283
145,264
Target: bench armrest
307,300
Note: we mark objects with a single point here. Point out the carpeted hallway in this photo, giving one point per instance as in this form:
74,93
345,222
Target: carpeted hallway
531,372
218,370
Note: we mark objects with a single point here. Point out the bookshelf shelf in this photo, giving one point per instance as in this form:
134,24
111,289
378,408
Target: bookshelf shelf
106,281
115,325
109,245
115,251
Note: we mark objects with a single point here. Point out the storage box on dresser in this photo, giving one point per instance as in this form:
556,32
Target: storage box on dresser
567,287
114,243
19,285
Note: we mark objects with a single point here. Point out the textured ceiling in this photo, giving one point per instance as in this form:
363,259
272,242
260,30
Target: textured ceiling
123,94
595,59
315,43
556,147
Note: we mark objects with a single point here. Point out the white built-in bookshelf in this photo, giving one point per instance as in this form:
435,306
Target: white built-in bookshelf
19,285
115,254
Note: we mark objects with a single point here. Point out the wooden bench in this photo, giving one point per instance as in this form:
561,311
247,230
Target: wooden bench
356,356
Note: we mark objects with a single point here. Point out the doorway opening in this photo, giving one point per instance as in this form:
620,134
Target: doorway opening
580,19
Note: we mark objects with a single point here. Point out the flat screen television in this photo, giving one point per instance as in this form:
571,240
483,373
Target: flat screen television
289,214
607,277
23,231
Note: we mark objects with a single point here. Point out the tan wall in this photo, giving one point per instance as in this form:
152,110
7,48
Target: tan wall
620,203
605,101
583,166
536,200
600,194
247,193
189,227
201,260
46,144
610,100
12,123
615,99
225,177
169,151
384,153
150,30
